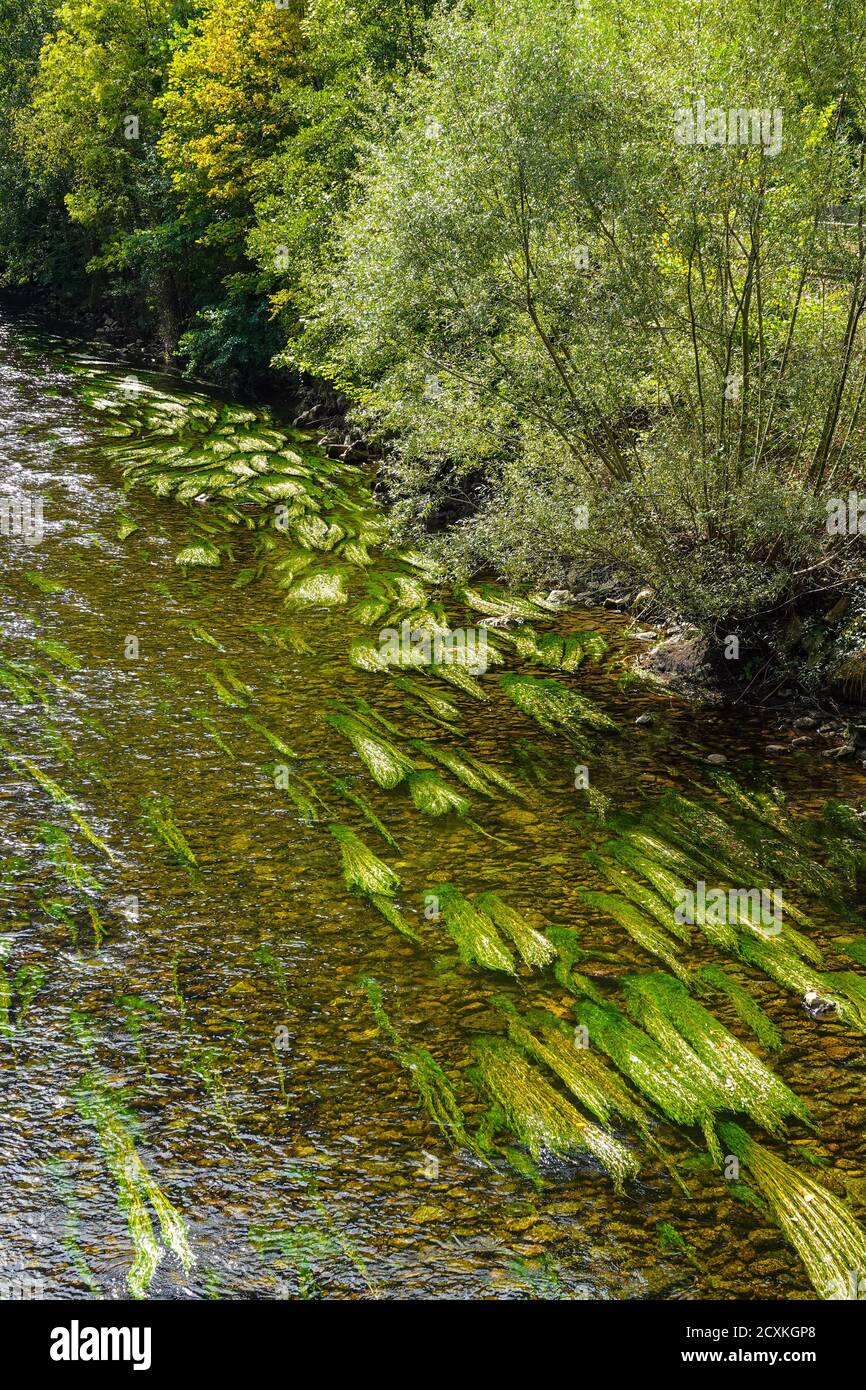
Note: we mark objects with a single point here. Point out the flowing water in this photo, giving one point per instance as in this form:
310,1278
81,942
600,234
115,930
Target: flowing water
197,1098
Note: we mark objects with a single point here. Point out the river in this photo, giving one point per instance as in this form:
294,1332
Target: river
199,1098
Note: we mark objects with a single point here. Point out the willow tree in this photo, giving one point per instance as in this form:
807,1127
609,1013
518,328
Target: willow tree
612,256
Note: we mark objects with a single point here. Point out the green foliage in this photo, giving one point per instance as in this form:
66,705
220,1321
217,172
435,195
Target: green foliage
562,298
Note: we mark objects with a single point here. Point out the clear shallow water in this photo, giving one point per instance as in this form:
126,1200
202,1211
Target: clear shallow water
227,1023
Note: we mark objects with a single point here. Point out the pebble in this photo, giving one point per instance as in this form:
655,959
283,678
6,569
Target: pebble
644,719
774,748
717,758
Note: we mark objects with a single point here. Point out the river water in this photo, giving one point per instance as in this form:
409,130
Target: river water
197,1100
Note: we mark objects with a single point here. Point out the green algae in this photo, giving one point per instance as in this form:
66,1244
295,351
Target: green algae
831,1244
541,1118
532,946
436,1092
474,933
158,815
748,1009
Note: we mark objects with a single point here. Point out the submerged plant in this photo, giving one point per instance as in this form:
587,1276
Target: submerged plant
387,765
437,1094
682,1088
385,905
651,937
362,869
159,816
541,1118
57,794
589,1079
478,941
136,1188
553,705
65,1185
831,1244
207,722
441,708
433,796
273,739
342,786
844,989
748,1008
665,1010
460,768
63,861
532,945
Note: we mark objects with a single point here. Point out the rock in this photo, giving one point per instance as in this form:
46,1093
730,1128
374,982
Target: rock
612,603
643,596
644,636
506,620
676,660
717,758
802,742
806,721
560,597
815,1006
845,750
644,719
775,748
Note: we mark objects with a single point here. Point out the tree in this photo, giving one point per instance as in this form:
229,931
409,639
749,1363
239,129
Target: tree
548,283
94,123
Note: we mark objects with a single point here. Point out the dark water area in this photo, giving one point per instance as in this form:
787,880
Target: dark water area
196,1098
